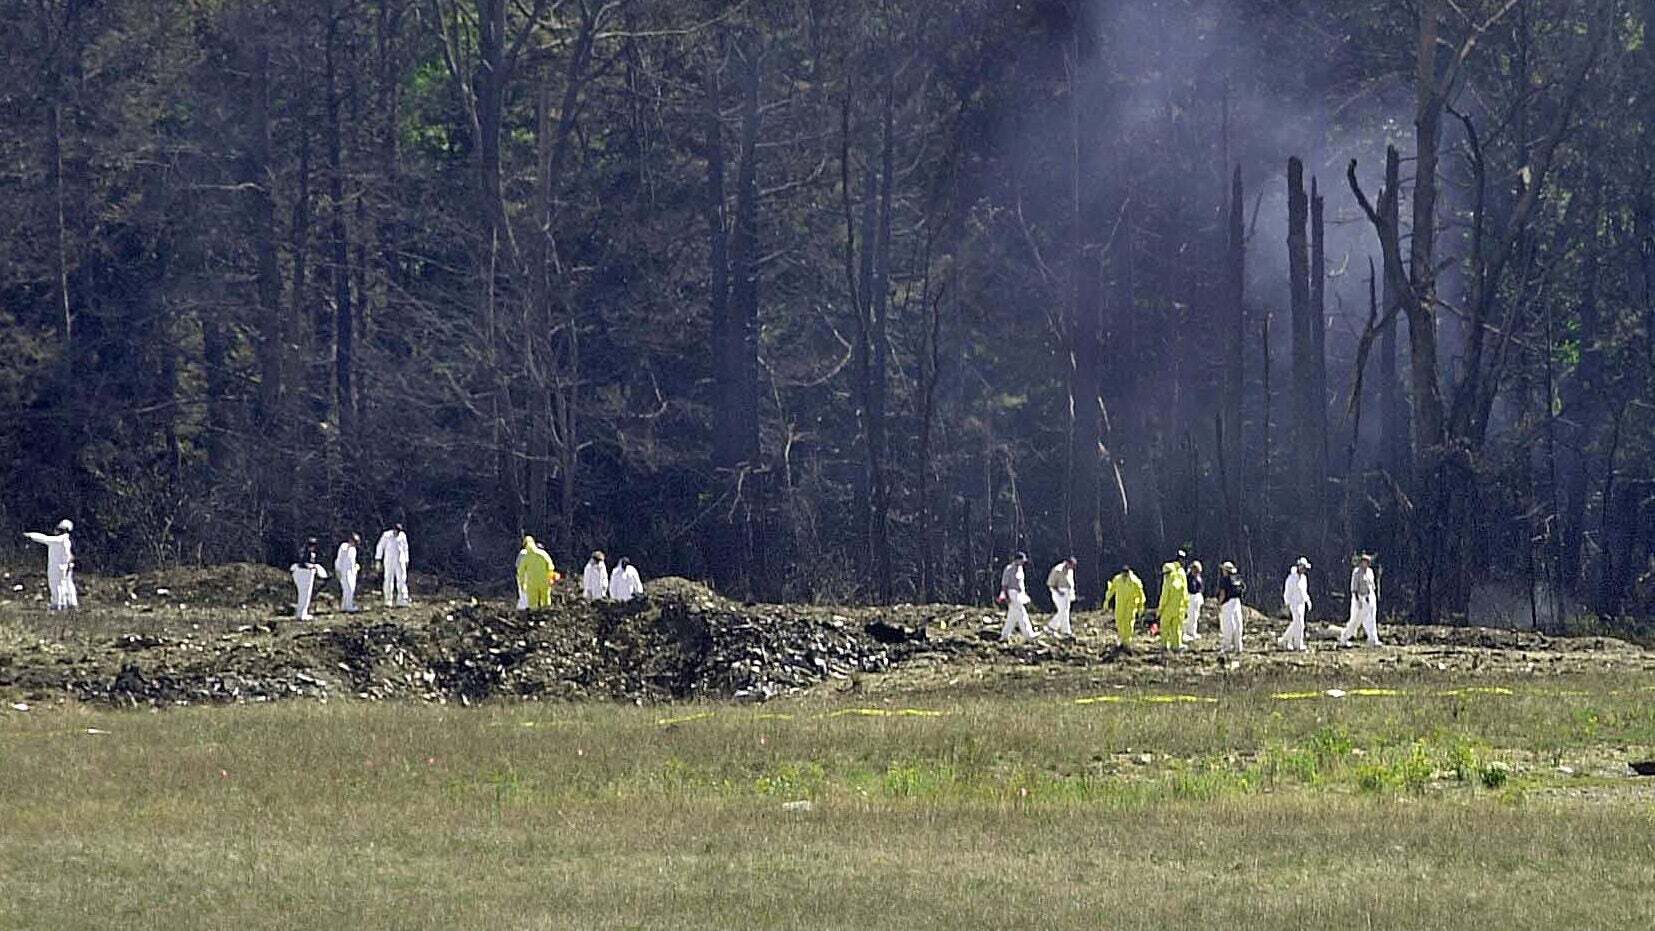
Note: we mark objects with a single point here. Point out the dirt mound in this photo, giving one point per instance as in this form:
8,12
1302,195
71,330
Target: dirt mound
226,586
679,642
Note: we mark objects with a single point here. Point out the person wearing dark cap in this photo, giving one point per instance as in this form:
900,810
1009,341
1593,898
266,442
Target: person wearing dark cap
1197,595
1231,589
306,570
1016,599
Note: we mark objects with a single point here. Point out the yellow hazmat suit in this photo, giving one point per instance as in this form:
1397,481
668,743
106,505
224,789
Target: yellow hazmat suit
1126,598
1175,600
535,574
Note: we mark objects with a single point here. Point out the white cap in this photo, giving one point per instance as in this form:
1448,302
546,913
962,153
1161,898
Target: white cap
66,525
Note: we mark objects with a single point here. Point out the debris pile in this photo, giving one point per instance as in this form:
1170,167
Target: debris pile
680,641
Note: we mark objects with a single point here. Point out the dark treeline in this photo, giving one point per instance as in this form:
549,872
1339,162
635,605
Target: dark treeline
833,300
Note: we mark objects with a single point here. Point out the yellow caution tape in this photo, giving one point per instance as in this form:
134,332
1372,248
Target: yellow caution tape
885,713
1147,699
686,718
1375,693
772,716
1295,696
1170,699
1478,690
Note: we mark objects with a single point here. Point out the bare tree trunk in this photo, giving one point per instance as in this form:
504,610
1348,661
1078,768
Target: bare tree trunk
344,319
275,471
735,347
54,159
879,334
1316,399
1304,479
1234,325
930,375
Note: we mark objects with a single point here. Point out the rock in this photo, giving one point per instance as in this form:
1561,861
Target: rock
887,632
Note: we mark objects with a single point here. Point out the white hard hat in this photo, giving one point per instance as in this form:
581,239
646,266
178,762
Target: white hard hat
66,525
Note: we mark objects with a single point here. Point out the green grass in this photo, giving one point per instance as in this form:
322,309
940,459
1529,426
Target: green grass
1015,811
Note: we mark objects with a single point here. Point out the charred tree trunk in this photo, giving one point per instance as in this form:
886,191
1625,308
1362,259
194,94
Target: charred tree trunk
1316,397
930,375
1234,326
878,453
735,346
1304,478
274,477
339,240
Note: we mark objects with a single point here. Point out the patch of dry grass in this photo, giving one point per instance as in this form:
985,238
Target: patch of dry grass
1000,812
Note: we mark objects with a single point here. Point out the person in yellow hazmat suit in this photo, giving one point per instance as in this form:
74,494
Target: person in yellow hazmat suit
1125,597
535,574
1175,599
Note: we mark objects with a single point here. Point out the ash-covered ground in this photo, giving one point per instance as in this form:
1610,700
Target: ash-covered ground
224,634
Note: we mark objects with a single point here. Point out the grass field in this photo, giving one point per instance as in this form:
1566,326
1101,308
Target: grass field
1487,808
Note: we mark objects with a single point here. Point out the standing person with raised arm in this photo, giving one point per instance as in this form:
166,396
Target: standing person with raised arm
392,555
60,566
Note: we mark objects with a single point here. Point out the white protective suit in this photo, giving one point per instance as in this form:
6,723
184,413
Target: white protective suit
1364,606
392,553
594,582
1192,619
625,584
1229,626
344,566
1061,583
304,578
1296,595
1017,603
517,573
60,568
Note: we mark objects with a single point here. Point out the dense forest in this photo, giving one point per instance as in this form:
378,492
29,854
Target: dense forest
840,300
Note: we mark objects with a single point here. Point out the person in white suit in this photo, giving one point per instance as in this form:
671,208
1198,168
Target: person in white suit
1197,589
1296,595
1364,603
345,567
594,581
305,573
624,583
1016,599
392,555
60,566
1061,583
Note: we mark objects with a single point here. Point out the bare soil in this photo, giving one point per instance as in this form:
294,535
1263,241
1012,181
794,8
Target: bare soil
222,634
